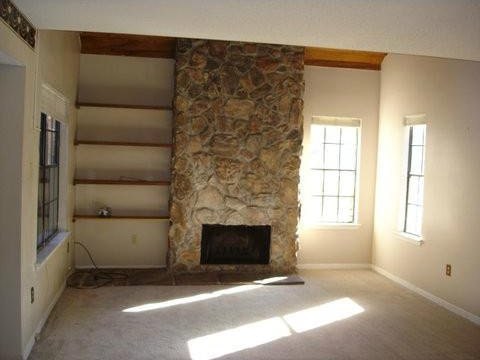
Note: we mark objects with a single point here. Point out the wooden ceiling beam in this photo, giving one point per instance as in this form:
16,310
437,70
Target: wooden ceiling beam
344,58
128,45
164,47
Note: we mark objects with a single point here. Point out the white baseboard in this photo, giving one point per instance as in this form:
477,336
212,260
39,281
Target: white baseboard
332,266
449,306
41,323
122,266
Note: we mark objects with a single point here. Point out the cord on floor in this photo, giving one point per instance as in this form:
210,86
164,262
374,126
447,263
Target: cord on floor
101,277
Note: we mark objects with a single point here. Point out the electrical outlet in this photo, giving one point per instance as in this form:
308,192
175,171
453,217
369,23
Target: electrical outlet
32,295
134,239
448,270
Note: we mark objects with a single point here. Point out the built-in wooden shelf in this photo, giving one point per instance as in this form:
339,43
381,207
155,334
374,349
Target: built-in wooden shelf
124,106
122,217
121,143
120,182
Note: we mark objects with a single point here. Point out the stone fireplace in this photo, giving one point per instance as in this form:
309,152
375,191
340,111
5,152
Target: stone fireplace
237,144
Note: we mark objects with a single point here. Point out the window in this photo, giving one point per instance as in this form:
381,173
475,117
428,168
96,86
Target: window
415,180
48,182
333,169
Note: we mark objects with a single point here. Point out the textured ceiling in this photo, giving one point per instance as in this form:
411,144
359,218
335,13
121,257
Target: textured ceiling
444,28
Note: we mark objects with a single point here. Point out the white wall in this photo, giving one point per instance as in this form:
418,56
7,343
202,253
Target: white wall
126,80
344,93
447,91
54,61
57,65
12,88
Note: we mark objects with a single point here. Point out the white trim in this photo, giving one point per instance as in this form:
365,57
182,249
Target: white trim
334,266
41,323
439,301
336,121
53,103
416,119
122,266
412,239
332,226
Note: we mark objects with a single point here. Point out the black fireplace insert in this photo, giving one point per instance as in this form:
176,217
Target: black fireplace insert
235,244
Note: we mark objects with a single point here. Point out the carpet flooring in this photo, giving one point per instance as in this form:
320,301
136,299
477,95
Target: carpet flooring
336,314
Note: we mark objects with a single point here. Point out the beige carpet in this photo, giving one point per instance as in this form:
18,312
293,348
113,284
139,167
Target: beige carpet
335,315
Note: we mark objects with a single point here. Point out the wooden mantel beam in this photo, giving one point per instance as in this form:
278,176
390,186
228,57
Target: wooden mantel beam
164,47
344,58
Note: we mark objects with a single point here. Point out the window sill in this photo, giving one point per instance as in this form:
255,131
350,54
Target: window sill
48,250
412,239
333,226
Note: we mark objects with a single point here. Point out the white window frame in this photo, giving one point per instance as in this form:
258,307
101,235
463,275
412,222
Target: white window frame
335,121
409,121
55,104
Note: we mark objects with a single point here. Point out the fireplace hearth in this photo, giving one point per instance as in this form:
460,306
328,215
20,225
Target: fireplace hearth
235,244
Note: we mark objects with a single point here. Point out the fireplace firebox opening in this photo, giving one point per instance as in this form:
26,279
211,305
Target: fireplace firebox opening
235,244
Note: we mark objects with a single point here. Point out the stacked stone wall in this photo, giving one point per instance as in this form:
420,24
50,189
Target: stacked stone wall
237,144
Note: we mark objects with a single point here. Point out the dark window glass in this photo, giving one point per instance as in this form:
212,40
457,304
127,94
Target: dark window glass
48,173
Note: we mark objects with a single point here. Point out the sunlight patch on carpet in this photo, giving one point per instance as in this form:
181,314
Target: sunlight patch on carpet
237,339
191,299
258,333
321,315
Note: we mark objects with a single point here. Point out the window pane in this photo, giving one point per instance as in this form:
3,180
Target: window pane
53,217
40,225
410,226
330,205
348,157
420,190
46,184
316,158
413,188
349,135
347,183
40,185
57,148
46,221
50,148
419,220
317,137
414,220
332,134
331,183
332,148
331,156
47,218
50,123
418,134
42,149
53,183
316,182
416,162
345,209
